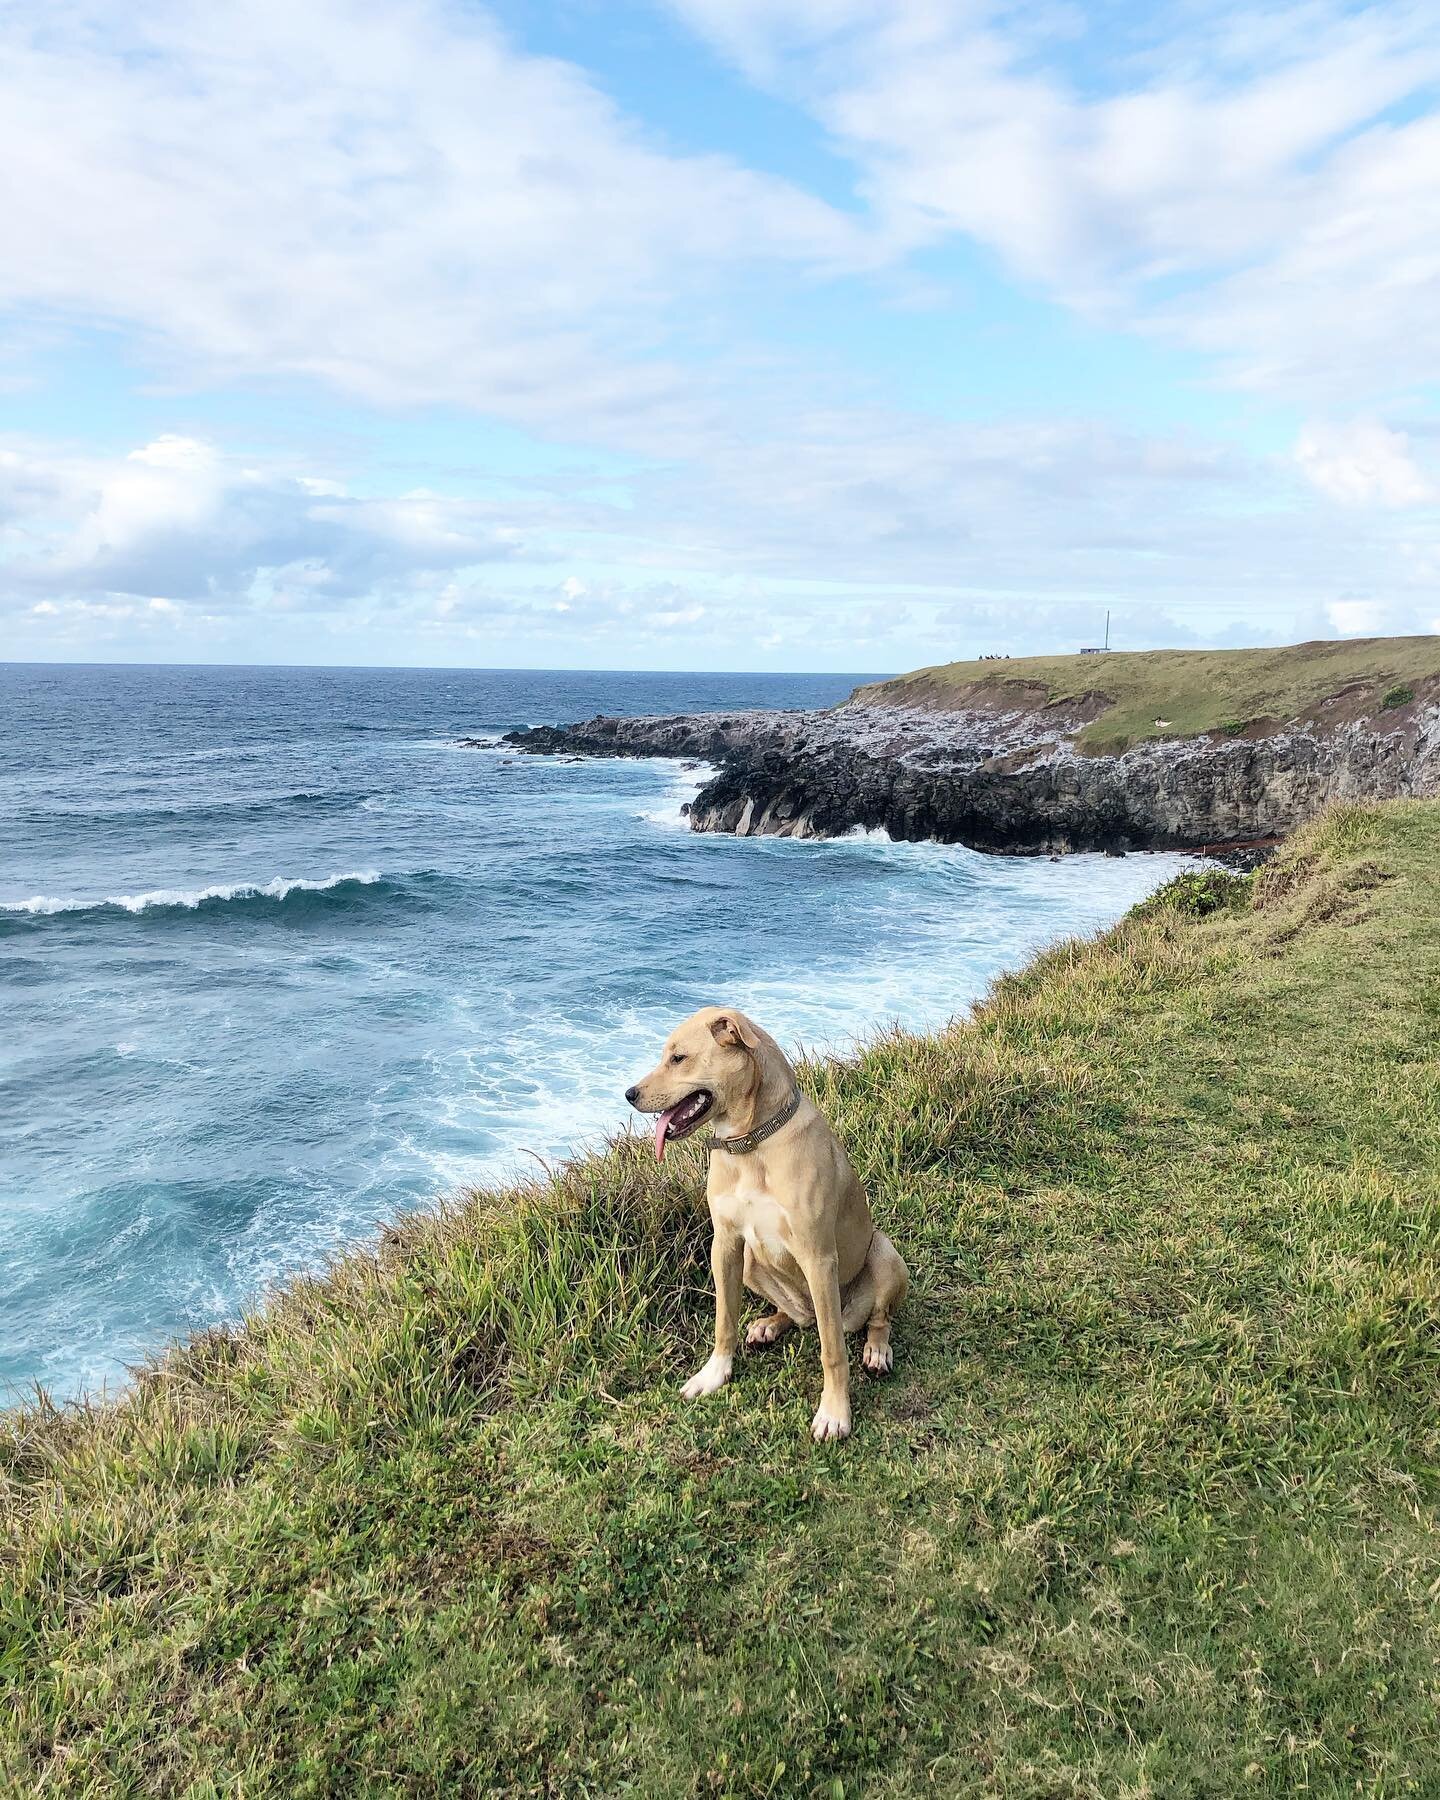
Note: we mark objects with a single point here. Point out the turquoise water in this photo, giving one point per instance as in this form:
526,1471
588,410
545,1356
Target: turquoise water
278,959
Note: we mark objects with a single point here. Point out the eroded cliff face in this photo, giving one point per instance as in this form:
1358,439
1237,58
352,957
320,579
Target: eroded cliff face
1013,781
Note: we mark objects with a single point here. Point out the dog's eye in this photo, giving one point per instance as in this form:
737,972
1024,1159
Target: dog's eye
677,1056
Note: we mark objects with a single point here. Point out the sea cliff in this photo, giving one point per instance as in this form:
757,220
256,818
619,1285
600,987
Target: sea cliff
1023,761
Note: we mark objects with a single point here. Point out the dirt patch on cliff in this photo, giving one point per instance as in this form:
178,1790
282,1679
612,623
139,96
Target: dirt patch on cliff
933,693
1392,704
993,694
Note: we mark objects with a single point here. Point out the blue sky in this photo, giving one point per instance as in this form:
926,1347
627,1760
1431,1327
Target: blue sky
774,334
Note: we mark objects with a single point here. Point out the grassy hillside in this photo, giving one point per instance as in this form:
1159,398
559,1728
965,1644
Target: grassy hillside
1192,691
1149,1507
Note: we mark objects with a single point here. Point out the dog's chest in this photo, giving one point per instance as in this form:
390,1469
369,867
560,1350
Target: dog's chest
753,1212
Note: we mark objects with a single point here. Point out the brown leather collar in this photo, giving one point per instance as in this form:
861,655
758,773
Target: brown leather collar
752,1140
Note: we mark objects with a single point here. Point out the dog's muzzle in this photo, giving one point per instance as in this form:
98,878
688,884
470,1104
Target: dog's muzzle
677,1121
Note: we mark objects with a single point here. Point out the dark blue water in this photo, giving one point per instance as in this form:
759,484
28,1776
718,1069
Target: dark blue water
278,959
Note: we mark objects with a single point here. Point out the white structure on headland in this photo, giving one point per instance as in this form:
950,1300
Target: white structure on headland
1099,649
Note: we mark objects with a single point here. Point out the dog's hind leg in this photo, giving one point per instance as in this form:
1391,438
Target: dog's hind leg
858,1301
769,1330
773,1326
889,1282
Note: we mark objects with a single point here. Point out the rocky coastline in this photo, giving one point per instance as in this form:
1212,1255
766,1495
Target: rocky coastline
1013,779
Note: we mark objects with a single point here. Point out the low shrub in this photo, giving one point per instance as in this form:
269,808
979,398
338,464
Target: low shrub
1196,894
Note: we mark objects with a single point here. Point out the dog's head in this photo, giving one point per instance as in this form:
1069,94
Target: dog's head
711,1066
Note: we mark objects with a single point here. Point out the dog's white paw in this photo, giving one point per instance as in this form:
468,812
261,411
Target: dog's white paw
879,1359
709,1379
829,1423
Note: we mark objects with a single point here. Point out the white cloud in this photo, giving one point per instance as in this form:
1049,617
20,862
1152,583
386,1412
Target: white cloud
1360,616
1239,180
1356,618
392,200
170,486
1363,464
177,521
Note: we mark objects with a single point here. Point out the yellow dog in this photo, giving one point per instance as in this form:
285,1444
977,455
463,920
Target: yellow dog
790,1216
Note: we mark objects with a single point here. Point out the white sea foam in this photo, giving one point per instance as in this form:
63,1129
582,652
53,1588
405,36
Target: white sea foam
471,743
680,788
189,898
540,1086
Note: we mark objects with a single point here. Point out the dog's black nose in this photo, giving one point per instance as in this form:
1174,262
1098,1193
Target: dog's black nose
632,1094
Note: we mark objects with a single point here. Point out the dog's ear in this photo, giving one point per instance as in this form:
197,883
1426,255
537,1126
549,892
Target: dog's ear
734,1031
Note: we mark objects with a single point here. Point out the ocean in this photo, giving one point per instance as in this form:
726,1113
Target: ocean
279,960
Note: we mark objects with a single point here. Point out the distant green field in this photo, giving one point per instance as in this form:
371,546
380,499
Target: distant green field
1193,691
1149,1507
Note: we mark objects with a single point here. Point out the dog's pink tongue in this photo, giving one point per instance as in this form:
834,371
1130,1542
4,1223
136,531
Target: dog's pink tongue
662,1125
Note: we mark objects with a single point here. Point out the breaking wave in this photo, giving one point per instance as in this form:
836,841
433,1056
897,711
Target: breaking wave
279,889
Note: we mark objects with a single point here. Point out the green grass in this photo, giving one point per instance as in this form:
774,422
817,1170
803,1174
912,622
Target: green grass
1192,691
1149,1507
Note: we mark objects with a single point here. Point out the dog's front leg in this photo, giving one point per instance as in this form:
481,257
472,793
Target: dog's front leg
727,1260
832,1419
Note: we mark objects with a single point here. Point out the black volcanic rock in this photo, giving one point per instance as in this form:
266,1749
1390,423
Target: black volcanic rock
1012,781
705,736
